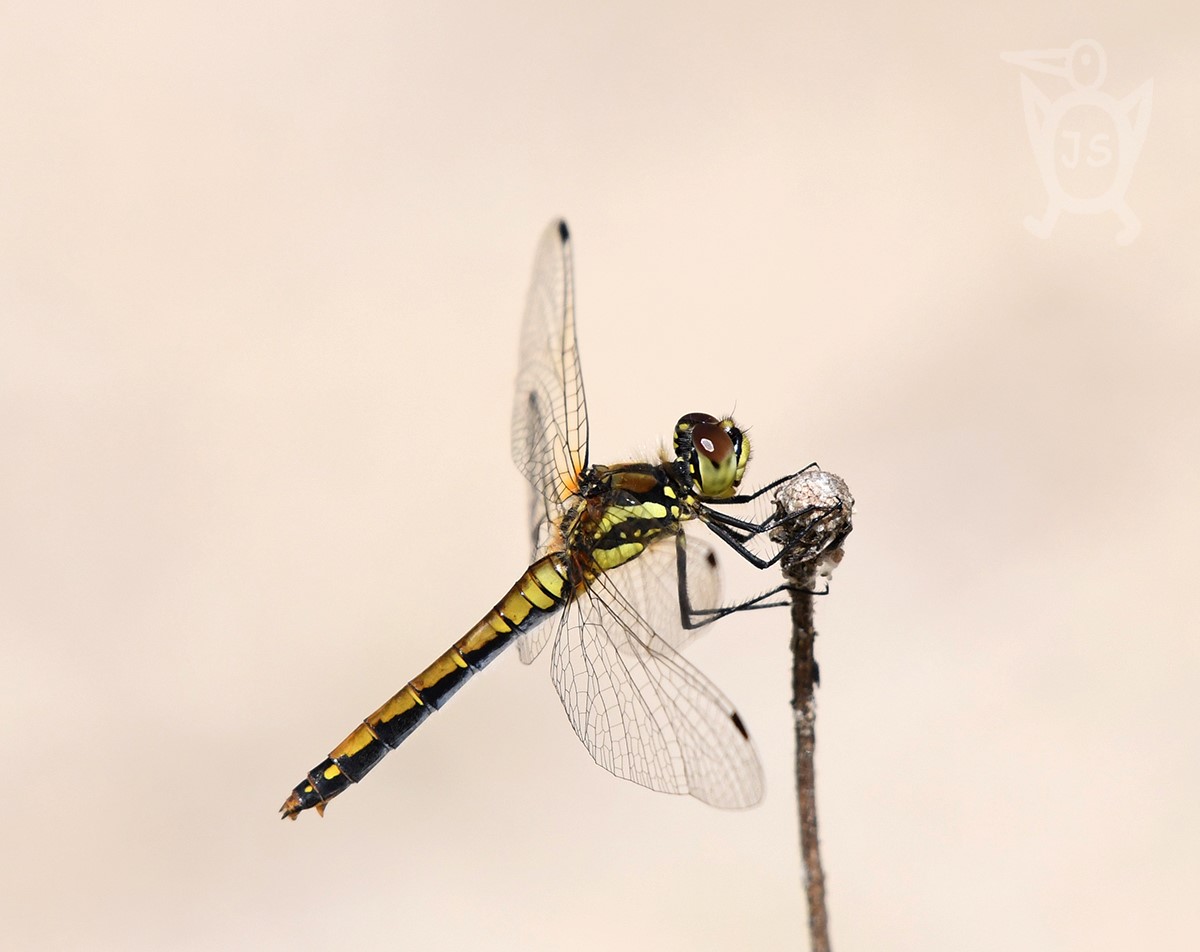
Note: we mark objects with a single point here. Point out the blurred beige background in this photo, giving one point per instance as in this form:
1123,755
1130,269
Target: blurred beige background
261,273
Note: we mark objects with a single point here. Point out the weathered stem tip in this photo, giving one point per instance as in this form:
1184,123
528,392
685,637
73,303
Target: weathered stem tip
815,512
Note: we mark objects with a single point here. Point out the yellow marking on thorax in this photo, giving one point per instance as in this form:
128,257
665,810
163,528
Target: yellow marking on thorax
613,516
617,555
650,510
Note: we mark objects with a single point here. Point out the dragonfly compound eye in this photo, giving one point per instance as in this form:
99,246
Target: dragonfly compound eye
684,446
717,453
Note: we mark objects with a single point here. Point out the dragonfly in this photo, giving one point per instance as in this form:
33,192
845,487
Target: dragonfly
620,581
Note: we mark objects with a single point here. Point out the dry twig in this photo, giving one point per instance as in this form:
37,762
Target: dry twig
815,518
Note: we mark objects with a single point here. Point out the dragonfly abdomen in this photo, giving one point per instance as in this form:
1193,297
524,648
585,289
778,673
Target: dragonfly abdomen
539,593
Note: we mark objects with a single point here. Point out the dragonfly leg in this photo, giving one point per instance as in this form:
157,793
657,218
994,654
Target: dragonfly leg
736,532
691,618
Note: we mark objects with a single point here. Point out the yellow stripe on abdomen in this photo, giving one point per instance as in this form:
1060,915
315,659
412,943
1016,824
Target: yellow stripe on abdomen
535,596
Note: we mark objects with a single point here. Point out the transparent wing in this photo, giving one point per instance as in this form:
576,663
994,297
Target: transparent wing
549,420
651,582
642,711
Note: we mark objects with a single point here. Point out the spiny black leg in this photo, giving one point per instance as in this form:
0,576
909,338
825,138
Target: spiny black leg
691,618
746,530
754,603
736,532
731,539
706,616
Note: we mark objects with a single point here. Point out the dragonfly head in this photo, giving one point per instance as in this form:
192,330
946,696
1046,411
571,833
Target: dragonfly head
712,452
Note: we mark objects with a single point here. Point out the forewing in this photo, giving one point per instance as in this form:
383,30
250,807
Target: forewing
643,712
549,420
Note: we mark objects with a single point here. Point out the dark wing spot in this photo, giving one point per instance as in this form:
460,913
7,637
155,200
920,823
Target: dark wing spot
737,722
562,231
711,558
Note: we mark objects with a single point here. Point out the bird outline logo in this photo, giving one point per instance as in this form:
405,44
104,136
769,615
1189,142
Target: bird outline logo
1085,132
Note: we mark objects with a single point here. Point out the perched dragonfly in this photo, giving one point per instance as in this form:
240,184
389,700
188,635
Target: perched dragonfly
612,560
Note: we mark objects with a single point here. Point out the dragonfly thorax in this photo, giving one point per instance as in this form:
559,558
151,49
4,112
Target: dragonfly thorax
622,510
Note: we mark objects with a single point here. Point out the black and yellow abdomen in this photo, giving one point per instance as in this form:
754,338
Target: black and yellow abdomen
539,593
